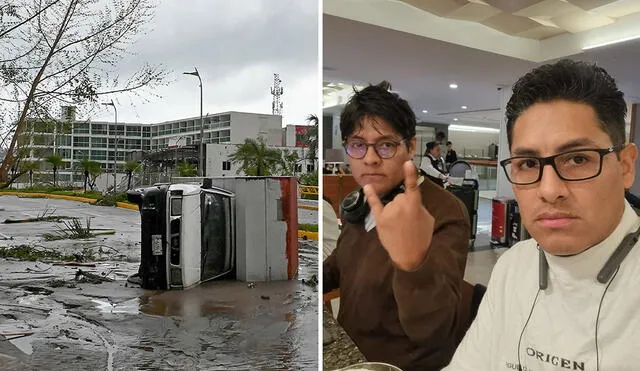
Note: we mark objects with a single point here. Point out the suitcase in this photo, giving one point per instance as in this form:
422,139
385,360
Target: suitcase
468,193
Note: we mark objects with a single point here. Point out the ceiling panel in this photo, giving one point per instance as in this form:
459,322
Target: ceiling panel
532,19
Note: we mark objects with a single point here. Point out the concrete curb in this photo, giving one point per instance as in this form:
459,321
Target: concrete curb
47,195
307,207
125,205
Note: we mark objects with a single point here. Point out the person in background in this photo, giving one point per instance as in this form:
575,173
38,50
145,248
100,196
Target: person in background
433,164
451,156
400,267
567,298
441,140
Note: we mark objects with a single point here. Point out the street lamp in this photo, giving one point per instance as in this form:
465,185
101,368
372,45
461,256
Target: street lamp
201,159
115,144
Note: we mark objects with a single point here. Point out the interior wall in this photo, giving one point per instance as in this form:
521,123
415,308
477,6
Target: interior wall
327,130
474,144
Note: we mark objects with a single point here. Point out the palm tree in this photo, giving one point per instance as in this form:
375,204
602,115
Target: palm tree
94,171
90,169
29,166
255,158
288,163
311,137
130,167
187,169
56,161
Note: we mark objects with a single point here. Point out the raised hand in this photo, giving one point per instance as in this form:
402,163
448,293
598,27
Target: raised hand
404,225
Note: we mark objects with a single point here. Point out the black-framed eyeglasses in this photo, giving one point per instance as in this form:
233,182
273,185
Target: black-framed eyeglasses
386,148
575,165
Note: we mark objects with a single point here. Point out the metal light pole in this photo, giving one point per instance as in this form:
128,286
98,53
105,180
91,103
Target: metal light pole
115,144
201,159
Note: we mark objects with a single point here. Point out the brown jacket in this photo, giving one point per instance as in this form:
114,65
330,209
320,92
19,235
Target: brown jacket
413,320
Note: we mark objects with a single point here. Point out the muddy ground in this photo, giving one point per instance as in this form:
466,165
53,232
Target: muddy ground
73,324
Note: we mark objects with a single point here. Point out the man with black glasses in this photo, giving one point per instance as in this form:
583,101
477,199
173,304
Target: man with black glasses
568,298
400,258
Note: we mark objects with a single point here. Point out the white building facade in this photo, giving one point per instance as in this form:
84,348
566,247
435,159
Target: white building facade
96,141
218,163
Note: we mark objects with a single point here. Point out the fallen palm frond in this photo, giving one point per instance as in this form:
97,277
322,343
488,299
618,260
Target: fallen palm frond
74,229
45,216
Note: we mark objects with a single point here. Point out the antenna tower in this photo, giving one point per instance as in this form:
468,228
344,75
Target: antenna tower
276,91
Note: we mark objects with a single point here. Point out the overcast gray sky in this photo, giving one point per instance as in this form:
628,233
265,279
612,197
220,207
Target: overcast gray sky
237,46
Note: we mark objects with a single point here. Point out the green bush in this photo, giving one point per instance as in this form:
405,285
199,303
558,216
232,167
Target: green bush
310,179
308,227
108,200
63,191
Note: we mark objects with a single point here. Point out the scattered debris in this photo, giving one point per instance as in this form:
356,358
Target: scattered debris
37,290
14,335
313,282
75,230
76,264
264,297
251,285
56,283
32,253
38,270
45,216
142,347
86,277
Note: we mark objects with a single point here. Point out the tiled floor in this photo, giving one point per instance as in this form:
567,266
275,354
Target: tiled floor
483,256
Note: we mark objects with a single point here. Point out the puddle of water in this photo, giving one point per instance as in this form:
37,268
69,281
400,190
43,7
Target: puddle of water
217,325
195,302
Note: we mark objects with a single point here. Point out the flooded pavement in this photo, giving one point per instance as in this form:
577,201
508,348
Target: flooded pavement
221,325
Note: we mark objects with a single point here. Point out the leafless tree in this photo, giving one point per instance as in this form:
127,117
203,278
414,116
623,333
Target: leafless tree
57,53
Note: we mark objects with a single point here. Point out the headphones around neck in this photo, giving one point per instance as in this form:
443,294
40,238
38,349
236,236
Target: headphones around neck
608,269
354,208
606,276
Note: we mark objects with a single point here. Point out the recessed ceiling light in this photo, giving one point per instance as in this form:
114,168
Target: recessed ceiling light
464,107
475,129
455,119
425,111
453,85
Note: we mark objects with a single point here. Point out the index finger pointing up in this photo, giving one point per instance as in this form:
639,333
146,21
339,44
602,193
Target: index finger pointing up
410,177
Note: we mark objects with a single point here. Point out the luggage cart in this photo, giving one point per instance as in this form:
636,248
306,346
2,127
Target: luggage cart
466,188
468,193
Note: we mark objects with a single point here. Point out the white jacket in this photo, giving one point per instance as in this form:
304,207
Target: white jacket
560,334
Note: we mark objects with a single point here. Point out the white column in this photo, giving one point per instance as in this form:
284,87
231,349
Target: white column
635,138
335,131
503,187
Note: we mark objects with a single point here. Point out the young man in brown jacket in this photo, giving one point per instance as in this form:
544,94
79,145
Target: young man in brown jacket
400,264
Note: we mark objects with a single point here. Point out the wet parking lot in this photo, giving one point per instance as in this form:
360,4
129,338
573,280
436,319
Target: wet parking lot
53,318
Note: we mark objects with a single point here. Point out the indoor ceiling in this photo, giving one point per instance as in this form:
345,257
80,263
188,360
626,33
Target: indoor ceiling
370,48
508,36
533,19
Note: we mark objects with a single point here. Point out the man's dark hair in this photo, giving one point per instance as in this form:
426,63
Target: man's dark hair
573,81
431,145
449,143
376,101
